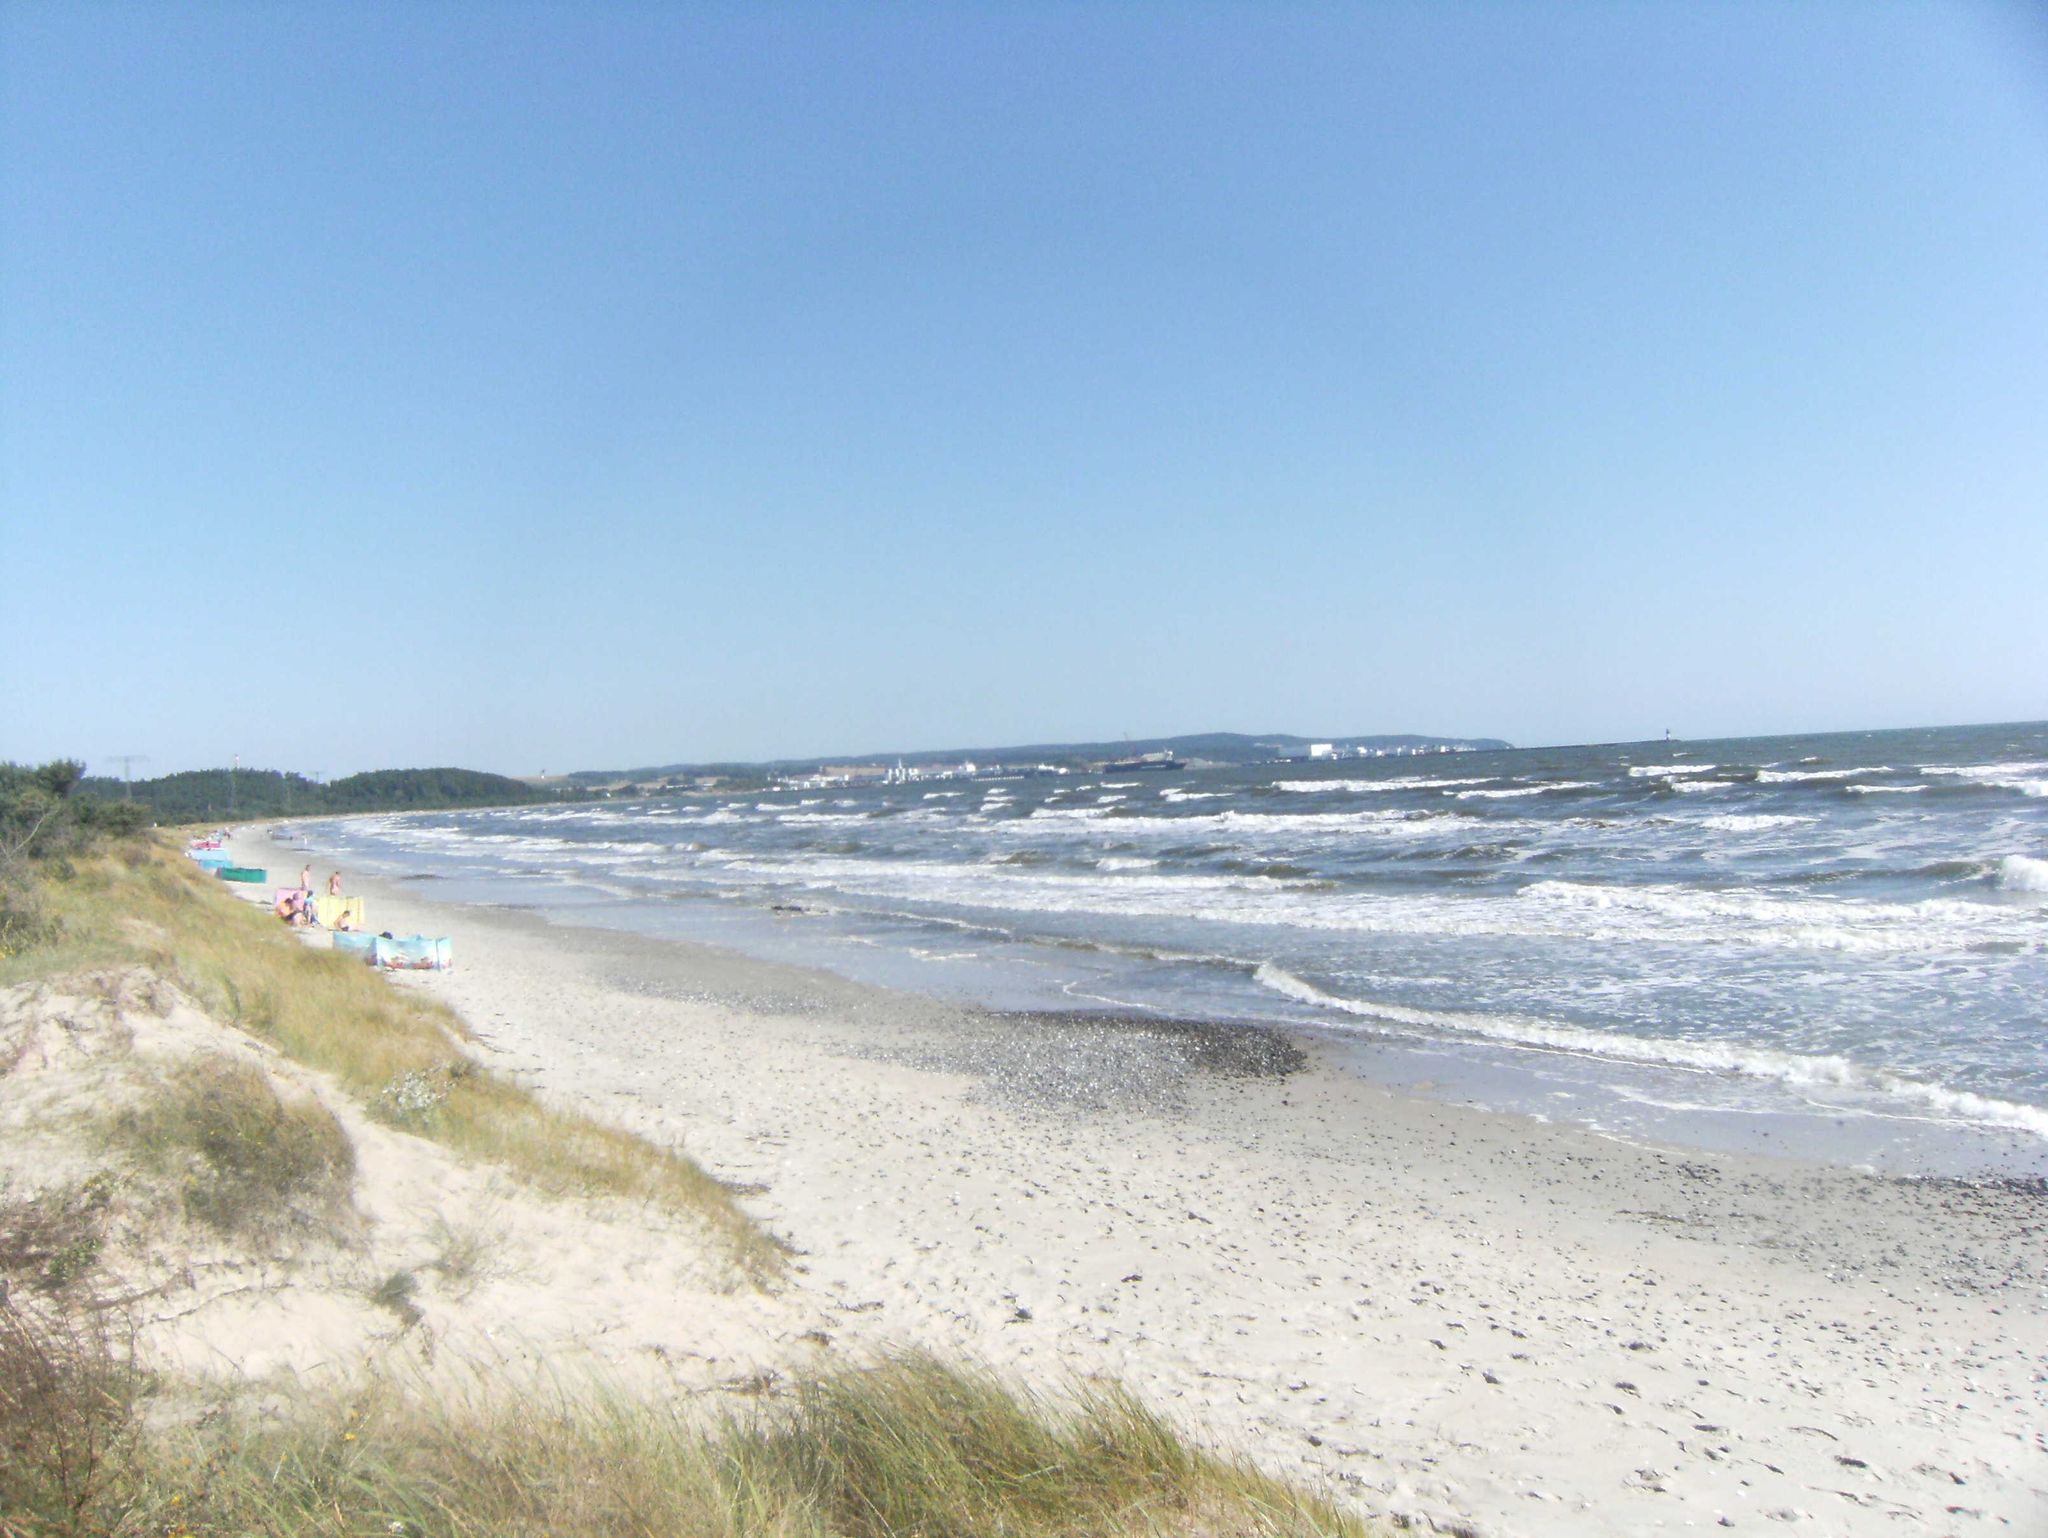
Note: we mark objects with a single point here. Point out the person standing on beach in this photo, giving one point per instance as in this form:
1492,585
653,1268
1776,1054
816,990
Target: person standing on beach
306,876
334,885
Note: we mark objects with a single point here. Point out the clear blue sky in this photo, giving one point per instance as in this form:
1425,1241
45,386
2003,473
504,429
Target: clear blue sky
591,385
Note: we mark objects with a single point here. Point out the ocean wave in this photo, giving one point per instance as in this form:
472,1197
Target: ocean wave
1751,822
1125,862
2023,873
1286,824
1643,771
1816,776
1884,790
1664,916
1694,786
2036,788
1528,790
1359,787
1280,825
1799,1070
1988,771
1800,923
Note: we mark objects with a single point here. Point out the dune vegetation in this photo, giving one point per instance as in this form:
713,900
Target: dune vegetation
396,1051
907,1446
97,1437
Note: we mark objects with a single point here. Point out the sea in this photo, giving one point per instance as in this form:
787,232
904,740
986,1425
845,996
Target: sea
1831,946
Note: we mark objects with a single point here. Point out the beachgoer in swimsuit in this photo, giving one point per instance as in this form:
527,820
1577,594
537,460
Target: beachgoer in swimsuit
334,885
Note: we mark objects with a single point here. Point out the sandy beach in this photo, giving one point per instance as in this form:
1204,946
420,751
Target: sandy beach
1450,1315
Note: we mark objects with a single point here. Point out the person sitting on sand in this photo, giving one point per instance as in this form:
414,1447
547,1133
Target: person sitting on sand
343,921
334,885
286,906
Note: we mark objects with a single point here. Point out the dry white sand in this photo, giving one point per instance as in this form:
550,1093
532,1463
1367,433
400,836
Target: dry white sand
1454,1314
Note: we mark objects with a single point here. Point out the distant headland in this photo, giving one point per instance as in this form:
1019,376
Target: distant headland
239,792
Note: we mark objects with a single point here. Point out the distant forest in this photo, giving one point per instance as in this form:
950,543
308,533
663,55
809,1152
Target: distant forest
202,795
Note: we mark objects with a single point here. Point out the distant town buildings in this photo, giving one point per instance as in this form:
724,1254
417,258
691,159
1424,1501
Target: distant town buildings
840,776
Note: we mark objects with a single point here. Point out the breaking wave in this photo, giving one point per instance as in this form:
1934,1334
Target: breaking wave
1815,776
2023,873
1361,787
1798,1070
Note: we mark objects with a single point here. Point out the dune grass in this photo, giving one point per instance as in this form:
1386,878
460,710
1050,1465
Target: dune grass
245,1160
68,1390
909,1447
393,1049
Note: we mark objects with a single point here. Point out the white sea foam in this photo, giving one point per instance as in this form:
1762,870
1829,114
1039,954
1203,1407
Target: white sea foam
1286,824
1281,827
1643,771
1599,915
2023,873
1886,790
1815,776
1988,771
1751,822
2022,777
1360,787
1694,786
1528,790
1755,918
1803,1071
723,817
1125,862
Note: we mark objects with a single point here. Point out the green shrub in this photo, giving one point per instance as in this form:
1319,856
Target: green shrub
43,826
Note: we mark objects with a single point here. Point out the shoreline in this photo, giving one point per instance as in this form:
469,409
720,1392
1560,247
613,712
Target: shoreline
1456,1314
1707,1090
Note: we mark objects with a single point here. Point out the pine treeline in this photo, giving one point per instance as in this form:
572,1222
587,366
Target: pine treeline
201,795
